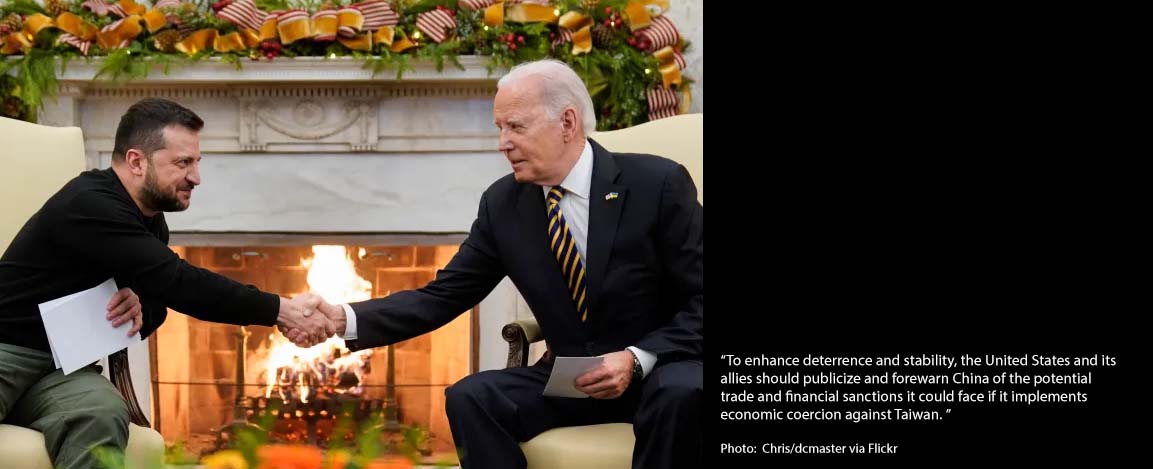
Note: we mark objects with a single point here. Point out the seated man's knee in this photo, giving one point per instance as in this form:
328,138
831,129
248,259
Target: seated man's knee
468,389
682,393
679,390
107,410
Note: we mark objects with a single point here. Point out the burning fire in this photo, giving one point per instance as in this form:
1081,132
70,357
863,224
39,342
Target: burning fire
296,373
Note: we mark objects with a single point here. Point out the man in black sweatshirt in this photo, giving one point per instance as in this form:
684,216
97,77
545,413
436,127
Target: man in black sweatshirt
110,223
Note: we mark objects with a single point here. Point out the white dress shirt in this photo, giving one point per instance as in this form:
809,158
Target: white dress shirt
574,206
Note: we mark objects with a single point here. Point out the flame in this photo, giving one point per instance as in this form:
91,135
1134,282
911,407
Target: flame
331,275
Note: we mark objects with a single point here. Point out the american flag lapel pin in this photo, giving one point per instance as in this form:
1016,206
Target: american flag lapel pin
611,196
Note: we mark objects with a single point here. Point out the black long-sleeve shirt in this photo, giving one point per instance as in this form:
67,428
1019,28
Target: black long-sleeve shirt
92,230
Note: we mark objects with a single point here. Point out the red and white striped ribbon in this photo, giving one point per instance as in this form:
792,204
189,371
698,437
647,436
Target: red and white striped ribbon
75,42
563,36
663,102
103,8
476,4
243,14
436,24
661,33
166,3
377,13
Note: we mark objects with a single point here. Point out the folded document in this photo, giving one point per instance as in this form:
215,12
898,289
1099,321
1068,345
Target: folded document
78,328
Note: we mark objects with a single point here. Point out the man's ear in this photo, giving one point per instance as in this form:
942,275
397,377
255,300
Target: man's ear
569,124
136,161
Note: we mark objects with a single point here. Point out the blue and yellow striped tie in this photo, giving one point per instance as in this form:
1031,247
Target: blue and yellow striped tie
567,255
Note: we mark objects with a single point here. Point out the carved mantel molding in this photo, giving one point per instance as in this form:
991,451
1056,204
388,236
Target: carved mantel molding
293,69
297,105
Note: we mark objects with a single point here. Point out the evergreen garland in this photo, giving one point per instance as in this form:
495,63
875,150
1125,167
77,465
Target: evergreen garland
617,74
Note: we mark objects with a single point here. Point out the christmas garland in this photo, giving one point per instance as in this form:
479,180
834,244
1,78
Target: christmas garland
628,53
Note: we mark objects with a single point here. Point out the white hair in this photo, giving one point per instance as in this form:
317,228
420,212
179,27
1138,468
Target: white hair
561,88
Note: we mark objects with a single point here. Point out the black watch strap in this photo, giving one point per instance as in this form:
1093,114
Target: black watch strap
638,370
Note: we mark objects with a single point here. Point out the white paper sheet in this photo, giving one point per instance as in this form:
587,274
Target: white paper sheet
79,332
562,381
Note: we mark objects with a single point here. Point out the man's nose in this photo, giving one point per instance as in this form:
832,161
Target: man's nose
194,176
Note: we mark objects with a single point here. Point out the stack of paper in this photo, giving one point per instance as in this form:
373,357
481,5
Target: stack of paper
79,331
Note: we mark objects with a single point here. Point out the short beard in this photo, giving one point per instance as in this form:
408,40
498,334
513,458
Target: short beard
155,198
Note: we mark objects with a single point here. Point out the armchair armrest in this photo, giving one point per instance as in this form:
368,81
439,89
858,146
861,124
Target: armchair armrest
121,378
519,334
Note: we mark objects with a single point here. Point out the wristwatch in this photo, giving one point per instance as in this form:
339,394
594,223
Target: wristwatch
638,370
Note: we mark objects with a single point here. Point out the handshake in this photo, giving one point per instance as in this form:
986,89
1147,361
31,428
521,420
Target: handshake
299,322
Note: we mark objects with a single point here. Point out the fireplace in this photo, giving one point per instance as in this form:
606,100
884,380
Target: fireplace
202,384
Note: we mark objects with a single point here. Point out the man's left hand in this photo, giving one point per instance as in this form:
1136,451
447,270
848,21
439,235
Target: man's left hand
123,307
610,379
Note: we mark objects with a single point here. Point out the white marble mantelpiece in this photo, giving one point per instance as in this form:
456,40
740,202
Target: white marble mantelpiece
313,144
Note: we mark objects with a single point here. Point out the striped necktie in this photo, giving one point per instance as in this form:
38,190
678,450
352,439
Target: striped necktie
564,247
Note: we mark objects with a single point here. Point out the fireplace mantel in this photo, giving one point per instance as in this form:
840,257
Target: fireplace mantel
293,70
309,144
299,105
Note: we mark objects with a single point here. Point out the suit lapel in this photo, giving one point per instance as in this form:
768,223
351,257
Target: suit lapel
606,200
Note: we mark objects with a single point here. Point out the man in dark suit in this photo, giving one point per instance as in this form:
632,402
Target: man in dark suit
607,250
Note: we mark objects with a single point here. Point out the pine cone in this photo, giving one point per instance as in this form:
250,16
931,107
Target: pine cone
166,40
602,36
56,7
12,22
12,107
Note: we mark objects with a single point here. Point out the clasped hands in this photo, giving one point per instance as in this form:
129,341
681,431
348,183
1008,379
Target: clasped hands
299,322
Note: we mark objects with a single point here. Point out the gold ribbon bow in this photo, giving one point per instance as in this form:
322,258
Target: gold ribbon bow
124,30
76,26
529,13
196,41
402,44
637,16
35,23
581,28
669,68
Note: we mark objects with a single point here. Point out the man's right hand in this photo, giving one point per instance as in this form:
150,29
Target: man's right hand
298,323
335,315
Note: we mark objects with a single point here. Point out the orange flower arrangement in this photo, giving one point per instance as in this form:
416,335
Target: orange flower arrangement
297,457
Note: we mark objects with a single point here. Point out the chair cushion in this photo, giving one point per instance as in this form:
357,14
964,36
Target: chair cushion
606,446
24,448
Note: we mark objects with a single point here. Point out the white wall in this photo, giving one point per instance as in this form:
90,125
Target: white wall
688,16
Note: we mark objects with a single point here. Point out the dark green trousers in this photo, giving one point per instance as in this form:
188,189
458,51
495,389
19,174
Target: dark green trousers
74,412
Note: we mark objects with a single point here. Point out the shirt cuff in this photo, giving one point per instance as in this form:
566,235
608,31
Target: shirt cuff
647,359
350,323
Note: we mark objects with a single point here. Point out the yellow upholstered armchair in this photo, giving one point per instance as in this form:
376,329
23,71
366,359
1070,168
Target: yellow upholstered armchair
37,160
608,446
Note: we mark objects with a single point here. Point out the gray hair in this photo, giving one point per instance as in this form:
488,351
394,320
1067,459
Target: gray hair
560,88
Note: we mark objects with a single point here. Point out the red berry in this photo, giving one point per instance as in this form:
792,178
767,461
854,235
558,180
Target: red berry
520,39
608,10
